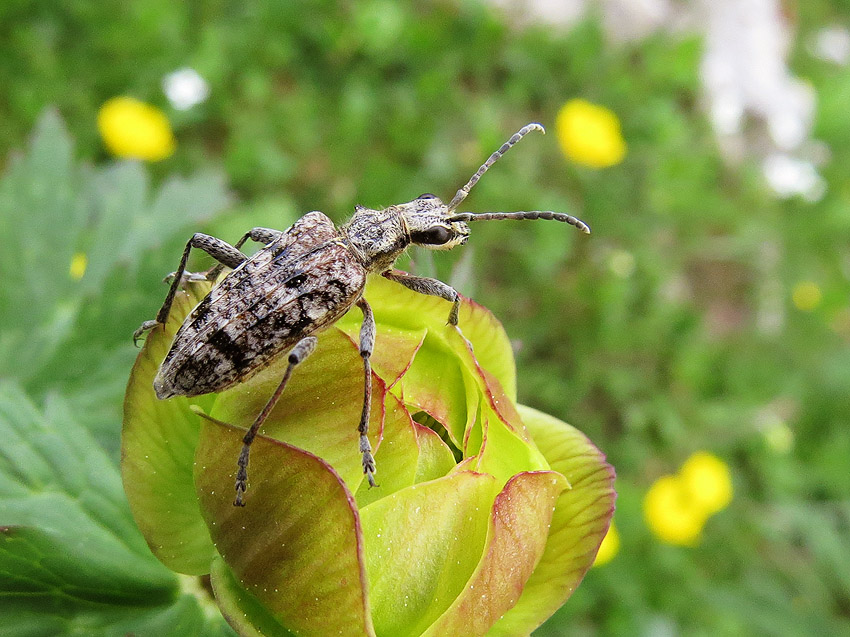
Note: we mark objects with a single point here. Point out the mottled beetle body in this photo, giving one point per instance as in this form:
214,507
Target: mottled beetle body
303,280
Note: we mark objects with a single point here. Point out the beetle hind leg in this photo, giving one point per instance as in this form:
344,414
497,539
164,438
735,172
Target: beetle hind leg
297,355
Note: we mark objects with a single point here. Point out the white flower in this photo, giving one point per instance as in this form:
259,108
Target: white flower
789,176
184,88
744,72
832,44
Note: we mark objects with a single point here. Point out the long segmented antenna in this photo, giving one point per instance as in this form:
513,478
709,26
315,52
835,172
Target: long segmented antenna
530,214
463,192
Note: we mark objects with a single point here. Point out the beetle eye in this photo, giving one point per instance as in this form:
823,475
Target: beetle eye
434,236
427,195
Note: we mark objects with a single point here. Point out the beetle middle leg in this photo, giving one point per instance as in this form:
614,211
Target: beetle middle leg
297,354
431,287
367,346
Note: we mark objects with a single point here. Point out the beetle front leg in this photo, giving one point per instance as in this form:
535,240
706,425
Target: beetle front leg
219,250
431,287
367,346
297,354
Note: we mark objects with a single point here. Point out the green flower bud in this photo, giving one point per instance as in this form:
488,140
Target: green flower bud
486,517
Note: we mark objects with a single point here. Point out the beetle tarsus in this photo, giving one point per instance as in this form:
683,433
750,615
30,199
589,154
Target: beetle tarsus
143,328
369,469
186,277
242,474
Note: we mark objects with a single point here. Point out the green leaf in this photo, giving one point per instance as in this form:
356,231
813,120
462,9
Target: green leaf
129,217
54,477
40,205
71,558
48,616
51,208
158,450
579,522
438,526
32,562
296,544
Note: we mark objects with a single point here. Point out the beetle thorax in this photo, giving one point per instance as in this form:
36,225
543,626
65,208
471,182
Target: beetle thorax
378,237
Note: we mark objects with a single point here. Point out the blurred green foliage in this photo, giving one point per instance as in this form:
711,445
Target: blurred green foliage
669,329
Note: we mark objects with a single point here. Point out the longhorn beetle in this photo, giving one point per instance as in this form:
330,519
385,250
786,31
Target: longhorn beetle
303,280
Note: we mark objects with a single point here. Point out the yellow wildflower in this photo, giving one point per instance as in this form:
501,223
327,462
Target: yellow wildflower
79,263
806,296
609,547
672,513
133,129
590,134
708,480
677,507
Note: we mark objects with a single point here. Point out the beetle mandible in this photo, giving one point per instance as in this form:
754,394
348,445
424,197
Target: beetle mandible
303,280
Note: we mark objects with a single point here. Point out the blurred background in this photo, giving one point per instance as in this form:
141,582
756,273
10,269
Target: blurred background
699,336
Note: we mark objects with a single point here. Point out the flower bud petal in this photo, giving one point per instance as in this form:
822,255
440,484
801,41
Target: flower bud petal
296,546
397,456
438,526
438,384
435,457
579,522
399,307
504,453
516,538
324,391
244,612
157,452
394,350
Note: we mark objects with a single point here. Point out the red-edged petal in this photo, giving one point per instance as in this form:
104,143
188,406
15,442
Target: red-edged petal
296,546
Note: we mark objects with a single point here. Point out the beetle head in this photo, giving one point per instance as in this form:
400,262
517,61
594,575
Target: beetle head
427,221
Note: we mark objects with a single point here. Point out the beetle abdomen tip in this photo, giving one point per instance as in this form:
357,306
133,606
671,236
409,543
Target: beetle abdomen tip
163,389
